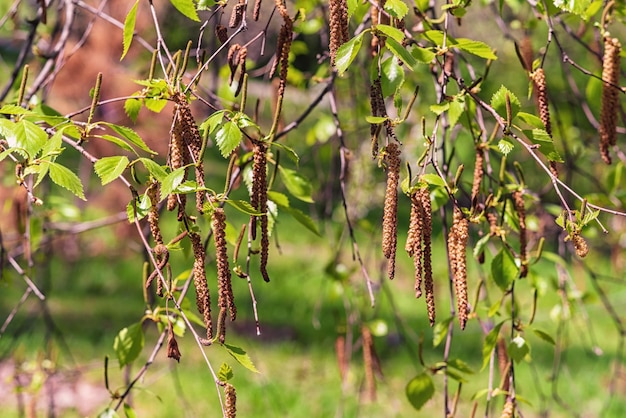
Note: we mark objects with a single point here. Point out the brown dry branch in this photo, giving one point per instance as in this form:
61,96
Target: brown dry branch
390,210
368,362
225,290
203,297
610,96
518,200
457,244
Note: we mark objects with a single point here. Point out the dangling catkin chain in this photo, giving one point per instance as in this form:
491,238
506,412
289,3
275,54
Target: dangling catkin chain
518,200
538,78
427,232
225,289
377,104
457,243
258,200
237,14
509,409
203,297
478,172
338,22
160,250
610,96
390,210
179,156
230,404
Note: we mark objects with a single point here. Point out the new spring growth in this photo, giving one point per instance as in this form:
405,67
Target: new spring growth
94,103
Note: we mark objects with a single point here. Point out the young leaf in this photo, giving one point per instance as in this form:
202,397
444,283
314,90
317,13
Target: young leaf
110,168
155,170
503,269
376,119
241,356
227,138
518,348
155,105
303,218
132,107
172,181
186,7
490,343
243,207
505,147
347,52
422,55
420,390
546,144
143,206
390,31
129,28
396,8
392,77
23,135
399,51
498,102
130,135
64,177
225,373
478,48
117,141
441,330
128,344
298,185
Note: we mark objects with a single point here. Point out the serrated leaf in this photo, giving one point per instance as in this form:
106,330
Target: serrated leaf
155,105
11,109
243,207
546,144
142,208
186,7
117,141
128,344
392,76
531,120
396,8
498,102
241,356
303,218
544,336
518,348
279,198
505,147
157,171
298,185
132,107
64,177
503,269
227,137
130,135
440,331
422,55
212,122
110,168
225,373
24,136
129,29
578,7
390,31
478,48
490,343
420,390
172,181
400,51
347,53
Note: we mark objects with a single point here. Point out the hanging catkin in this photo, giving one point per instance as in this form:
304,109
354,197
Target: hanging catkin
368,362
225,290
478,172
457,244
338,22
203,297
518,200
427,231
258,200
390,210
230,404
610,96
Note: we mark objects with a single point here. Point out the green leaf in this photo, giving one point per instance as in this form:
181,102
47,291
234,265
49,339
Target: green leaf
347,53
129,28
299,186
460,365
212,122
142,208
422,55
400,51
420,390
132,107
117,141
186,7
206,4
172,181
128,344
291,153
439,108
392,76
376,119
241,356
531,120
157,171
518,348
498,102
441,330
227,137
478,48
503,269
490,343
243,207
578,7
544,336
24,136
378,327
433,180
108,413
546,144
129,411
303,218
11,109
390,31
279,198
505,147
110,168
130,135
64,177
155,105
396,8
225,373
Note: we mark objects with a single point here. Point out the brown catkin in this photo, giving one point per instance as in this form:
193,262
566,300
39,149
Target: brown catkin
225,290
427,241
340,352
457,243
257,10
221,32
153,214
258,200
508,410
478,172
172,344
178,158
390,210
334,21
368,362
378,17
580,245
230,404
610,96
518,200
526,52
539,81
203,297
237,14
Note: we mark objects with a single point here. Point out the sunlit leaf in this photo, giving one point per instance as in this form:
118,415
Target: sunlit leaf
518,348
132,107
505,147
129,411
241,356
392,77
225,373
422,55
110,168
400,52
186,7
498,102
503,269
490,343
391,32
396,8
478,48
128,344
24,136
129,29
130,135
347,52
546,144
64,177
420,390
441,330
243,207
172,181
279,198
298,185
227,137
157,171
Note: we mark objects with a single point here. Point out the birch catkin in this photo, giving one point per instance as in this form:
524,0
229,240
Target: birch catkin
518,201
203,297
429,285
225,291
457,244
390,210
610,96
